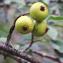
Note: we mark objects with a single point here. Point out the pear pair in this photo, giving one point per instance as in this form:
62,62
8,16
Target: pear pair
26,24
39,11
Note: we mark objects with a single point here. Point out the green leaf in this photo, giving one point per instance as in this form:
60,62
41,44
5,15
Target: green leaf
3,34
9,60
45,3
57,44
52,33
56,17
58,25
4,29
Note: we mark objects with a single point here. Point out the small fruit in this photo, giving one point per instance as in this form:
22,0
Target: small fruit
40,28
24,24
39,11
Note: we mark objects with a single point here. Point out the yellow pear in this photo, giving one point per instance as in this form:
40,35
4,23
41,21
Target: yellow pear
40,28
24,24
39,11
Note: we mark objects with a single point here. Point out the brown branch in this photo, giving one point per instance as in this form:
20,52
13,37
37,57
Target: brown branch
17,53
47,56
13,57
12,29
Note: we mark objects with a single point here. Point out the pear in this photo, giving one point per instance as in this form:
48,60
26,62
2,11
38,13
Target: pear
40,28
39,11
24,24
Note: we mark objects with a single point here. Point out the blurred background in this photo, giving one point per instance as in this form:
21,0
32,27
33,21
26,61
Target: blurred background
11,9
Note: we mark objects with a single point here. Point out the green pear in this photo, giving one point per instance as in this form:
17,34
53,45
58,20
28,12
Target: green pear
39,11
40,28
24,24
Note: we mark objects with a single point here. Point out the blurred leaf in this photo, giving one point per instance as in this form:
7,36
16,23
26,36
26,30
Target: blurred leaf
58,25
2,33
3,39
58,44
52,33
61,58
46,2
57,18
9,60
4,29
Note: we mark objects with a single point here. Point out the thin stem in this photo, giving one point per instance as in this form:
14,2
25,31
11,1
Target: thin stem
32,41
12,29
47,56
10,33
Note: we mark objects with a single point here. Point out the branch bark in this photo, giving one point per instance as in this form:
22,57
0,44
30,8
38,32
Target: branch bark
17,53
47,56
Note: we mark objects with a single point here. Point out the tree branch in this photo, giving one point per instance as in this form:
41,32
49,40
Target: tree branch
13,57
47,56
17,53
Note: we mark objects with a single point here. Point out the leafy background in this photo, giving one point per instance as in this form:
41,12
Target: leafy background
50,41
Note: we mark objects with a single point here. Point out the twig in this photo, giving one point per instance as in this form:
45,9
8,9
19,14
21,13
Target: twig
13,57
32,41
12,29
10,33
47,56
17,53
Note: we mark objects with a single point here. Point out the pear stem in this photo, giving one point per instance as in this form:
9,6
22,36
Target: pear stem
12,29
10,33
32,41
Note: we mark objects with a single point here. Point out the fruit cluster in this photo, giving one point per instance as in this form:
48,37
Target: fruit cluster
35,22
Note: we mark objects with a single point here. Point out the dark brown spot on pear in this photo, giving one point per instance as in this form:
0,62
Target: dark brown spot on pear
46,30
25,28
42,8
